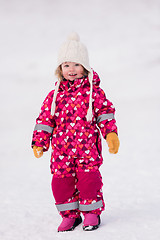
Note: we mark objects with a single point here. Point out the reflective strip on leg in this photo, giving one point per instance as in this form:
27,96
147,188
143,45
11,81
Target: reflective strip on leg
67,206
90,207
108,116
44,128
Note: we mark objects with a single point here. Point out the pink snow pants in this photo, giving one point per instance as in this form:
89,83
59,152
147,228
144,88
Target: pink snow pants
82,193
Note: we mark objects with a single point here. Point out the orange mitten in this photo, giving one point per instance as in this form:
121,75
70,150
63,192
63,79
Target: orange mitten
38,151
113,142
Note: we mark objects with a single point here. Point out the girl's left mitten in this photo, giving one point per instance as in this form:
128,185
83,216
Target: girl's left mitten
113,142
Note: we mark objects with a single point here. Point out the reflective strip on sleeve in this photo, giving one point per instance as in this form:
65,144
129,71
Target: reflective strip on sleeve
44,128
67,206
103,117
90,207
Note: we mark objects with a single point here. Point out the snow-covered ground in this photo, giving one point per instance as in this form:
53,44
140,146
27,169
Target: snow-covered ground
123,40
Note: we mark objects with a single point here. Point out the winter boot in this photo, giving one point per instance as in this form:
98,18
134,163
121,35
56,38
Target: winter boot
91,222
69,224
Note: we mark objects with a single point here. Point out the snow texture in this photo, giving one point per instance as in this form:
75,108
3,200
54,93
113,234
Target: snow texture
123,41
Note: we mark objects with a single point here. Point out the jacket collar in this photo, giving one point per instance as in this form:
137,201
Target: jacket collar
79,82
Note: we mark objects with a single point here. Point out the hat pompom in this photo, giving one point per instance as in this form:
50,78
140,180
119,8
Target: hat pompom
74,36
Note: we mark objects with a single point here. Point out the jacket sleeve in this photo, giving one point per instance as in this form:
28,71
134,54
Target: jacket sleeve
44,125
104,113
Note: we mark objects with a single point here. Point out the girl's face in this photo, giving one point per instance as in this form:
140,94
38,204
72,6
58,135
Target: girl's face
72,70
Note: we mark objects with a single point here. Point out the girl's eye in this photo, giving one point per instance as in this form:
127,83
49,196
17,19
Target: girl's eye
66,65
77,64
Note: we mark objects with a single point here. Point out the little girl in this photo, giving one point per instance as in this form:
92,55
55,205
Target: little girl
72,117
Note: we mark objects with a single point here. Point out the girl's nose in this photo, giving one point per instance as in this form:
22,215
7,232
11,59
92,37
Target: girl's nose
71,68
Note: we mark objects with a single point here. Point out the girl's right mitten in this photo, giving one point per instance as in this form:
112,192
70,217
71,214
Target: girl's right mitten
38,151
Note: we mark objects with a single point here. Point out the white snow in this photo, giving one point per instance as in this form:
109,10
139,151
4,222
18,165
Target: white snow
123,40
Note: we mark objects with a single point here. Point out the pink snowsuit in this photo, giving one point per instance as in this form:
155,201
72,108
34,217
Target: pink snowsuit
76,144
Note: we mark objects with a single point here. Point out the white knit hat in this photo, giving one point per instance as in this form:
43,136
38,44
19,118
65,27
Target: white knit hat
74,51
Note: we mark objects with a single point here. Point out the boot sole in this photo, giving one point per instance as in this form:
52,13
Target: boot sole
91,228
76,223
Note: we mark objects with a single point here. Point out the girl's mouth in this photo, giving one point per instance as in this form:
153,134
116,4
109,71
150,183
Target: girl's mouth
73,75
